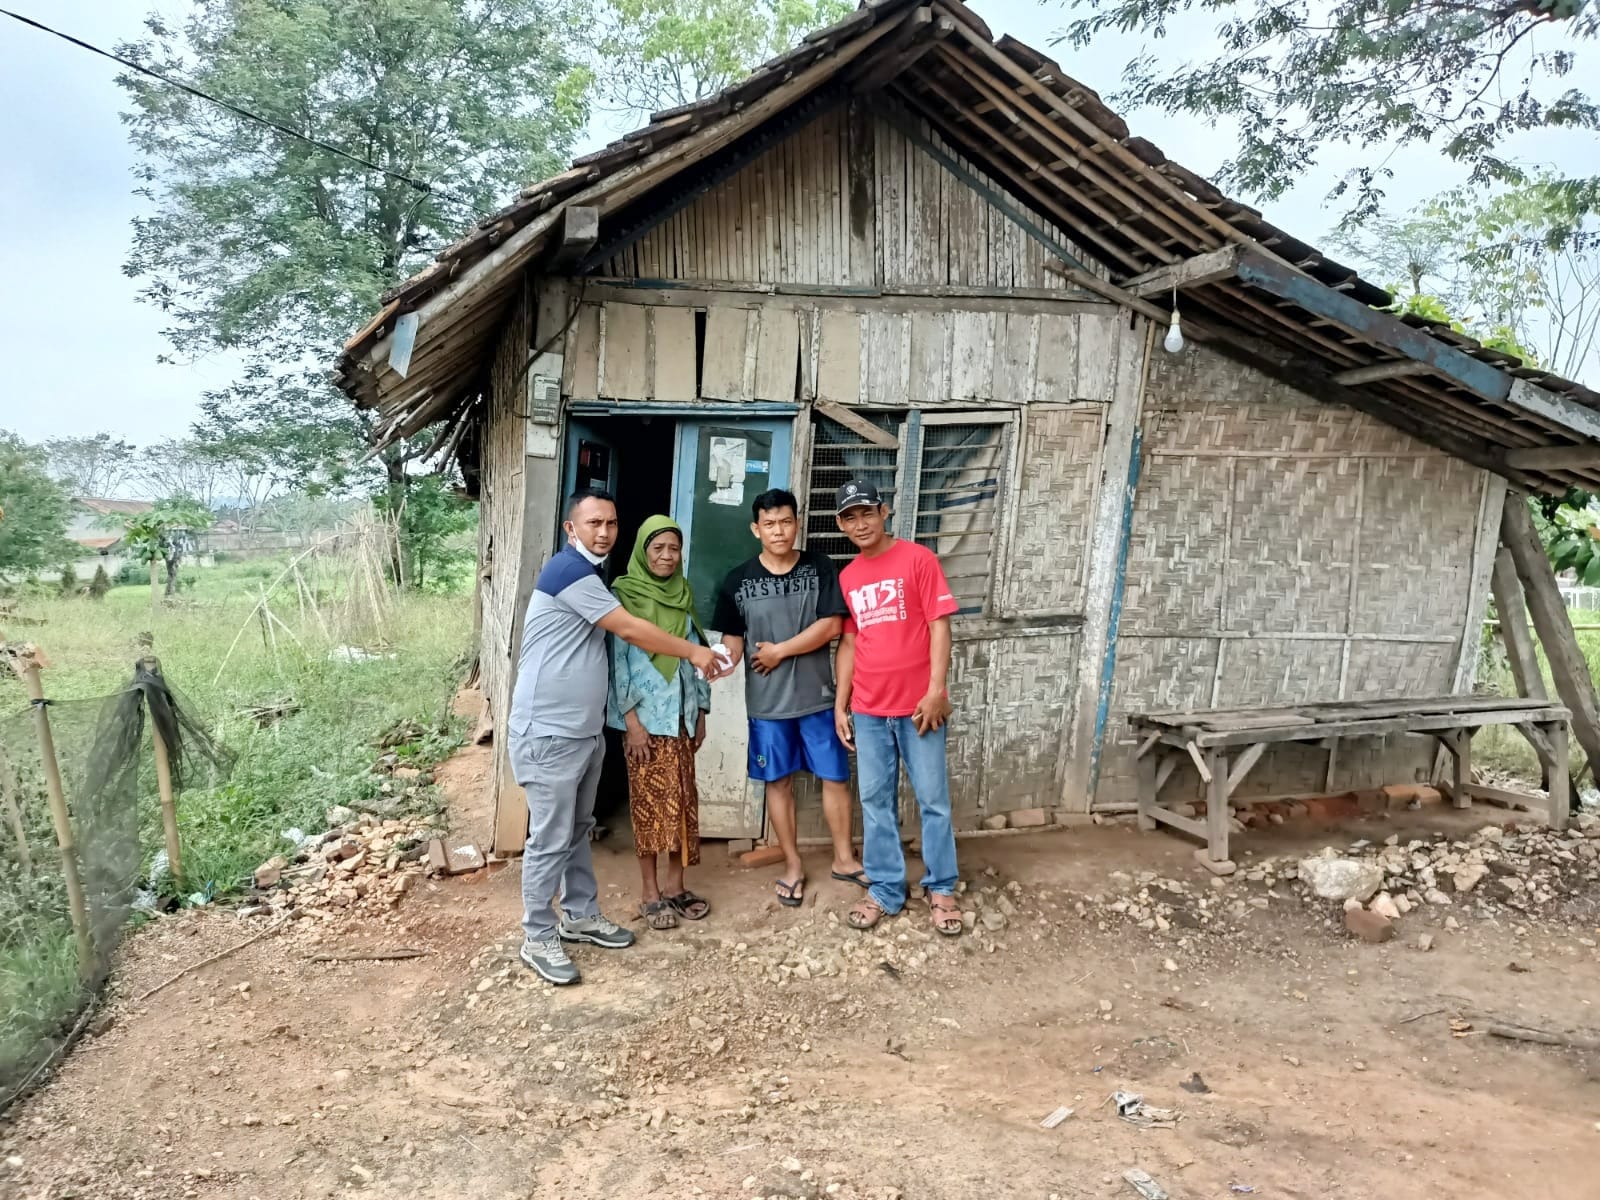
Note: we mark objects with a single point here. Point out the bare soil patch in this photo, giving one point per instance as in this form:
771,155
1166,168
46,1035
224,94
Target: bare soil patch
773,1052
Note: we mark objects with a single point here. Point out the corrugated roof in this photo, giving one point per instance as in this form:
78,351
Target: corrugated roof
1249,288
105,507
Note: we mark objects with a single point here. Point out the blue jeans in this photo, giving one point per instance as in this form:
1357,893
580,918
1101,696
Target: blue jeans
882,744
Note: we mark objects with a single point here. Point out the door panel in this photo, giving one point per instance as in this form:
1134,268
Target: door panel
721,467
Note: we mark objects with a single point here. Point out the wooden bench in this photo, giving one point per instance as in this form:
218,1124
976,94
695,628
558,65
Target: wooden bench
1222,745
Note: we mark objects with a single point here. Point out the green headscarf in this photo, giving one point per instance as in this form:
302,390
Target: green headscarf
668,604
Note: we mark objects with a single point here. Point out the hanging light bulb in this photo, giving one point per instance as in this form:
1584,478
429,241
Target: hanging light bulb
1174,339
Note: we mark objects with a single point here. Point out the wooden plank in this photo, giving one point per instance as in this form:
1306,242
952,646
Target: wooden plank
839,358
886,356
673,330
1191,272
1514,631
930,376
1199,762
1190,825
777,355
623,360
1539,458
1055,378
1568,667
857,424
582,368
1374,727
1560,775
1398,369
862,207
1113,507
1217,811
722,374
1243,764
972,346
1097,357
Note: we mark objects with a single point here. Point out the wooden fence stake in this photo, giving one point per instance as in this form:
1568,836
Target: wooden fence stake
169,803
27,665
1568,667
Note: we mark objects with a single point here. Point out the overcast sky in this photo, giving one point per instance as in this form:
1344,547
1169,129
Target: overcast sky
81,352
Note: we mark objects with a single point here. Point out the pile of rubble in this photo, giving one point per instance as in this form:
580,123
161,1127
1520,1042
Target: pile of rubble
1499,869
362,863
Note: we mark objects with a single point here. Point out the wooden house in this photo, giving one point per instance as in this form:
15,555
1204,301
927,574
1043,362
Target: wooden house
908,251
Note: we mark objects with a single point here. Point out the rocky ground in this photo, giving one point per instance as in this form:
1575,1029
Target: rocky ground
1260,1048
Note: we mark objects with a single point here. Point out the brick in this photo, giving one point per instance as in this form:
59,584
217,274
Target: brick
738,846
1223,866
1062,817
438,860
1369,926
762,856
1028,818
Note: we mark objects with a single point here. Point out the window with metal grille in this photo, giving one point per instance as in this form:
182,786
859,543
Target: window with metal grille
943,484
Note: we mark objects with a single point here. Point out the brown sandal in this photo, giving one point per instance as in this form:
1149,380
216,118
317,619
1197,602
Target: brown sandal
946,916
865,915
659,914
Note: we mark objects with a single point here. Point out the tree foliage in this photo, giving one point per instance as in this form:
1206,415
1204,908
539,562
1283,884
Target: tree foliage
277,248
166,533
93,465
1463,75
657,54
429,517
1518,268
33,510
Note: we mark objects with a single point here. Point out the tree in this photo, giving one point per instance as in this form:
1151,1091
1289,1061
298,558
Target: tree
278,246
1462,74
656,54
92,465
100,584
1519,268
33,510
430,516
166,533
1532,262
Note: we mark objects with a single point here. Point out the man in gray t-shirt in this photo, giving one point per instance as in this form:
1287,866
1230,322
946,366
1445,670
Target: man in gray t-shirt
555,739
784,606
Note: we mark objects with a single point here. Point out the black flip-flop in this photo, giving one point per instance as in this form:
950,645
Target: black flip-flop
859,878
791,895
685,905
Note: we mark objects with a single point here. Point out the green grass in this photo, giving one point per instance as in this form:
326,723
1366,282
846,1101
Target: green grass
223,661
1501,747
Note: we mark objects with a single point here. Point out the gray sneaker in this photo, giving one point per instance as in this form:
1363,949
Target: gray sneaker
549,959
597,929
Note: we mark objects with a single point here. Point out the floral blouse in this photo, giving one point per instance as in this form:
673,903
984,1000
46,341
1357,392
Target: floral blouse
666,707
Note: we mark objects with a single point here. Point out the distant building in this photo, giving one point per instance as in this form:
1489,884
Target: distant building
95,522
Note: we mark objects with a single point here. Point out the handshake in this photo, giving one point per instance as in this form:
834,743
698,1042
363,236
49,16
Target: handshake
712,662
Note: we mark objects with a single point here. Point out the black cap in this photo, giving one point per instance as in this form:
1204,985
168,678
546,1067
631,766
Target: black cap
855,494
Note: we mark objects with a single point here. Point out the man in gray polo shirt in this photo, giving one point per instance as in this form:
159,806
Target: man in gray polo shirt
557,743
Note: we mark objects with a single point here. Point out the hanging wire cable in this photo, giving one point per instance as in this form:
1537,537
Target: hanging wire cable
399,176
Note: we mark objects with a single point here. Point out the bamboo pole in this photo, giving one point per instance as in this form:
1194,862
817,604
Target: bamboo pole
169,802
27,665
8,796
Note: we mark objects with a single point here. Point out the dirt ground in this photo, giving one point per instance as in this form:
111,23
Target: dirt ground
774,1052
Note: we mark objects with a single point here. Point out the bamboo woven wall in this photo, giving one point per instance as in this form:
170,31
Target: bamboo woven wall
501,516
787,217
1285,551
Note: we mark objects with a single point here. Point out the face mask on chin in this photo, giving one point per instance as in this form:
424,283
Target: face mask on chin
593,558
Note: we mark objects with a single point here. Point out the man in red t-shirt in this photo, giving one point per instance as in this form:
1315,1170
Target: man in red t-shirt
891,704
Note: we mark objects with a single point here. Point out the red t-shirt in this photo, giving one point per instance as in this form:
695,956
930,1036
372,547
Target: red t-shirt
892,600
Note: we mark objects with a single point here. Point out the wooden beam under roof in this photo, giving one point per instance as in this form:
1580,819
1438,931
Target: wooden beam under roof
1191,272
1397,369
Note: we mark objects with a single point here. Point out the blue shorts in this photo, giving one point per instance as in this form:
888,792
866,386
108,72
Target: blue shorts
780,748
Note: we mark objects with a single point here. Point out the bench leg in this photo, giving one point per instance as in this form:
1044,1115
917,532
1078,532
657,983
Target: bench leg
1463,773
1560,803
1146,767
1217,813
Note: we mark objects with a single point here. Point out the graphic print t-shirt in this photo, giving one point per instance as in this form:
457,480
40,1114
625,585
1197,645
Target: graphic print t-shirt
760,606
892,599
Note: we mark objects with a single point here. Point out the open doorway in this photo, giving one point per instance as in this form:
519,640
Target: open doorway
702,467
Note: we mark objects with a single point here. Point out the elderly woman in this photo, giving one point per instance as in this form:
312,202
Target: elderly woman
661,704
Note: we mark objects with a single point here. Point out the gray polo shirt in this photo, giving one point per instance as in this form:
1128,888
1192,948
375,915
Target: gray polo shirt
562,670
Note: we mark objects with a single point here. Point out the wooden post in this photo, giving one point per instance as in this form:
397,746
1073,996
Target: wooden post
169,803
8,795
27,665
1560,801
1568,667
1514,632
1217,810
